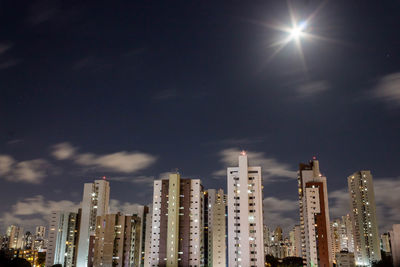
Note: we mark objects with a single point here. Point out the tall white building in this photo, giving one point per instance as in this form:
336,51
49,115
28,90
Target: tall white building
395,244
245,215
63,233
295,241
314,216
40,232
95,203
214,228
177,223
15,235
363,215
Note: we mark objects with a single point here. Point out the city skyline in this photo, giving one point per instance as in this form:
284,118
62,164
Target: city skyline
131,92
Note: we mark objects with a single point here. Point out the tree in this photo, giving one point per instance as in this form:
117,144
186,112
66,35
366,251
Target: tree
19,262
291,262
271,261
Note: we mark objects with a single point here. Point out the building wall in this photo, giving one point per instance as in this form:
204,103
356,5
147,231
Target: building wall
395,244
15,235
245,215
345,259
117,240
61,248
314,216
95,203
177,223
365,227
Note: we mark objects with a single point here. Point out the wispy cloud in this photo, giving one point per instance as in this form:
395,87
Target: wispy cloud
166,95
33,211
143,180
271,167
124,162
29,171
4,47
312,88
124,207
388,89
280,212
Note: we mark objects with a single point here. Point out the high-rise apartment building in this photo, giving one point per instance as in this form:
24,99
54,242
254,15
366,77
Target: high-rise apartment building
177,223
346,233
95,203
63,234
314,216
15,236
214,228
395,244
40,232
245,215
295,241
385,243
40,241
345,259
363,215
117,240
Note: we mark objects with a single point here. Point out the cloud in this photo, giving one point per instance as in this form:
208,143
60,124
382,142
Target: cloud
29,171
33,211
145,180
270,167
8,63
166,95
125,162
387,202
4,47
63,151
124,207
280,212
312,88
388,89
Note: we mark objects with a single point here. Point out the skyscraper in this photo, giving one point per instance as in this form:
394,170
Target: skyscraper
15,235
314,215
295,241
63,235
245,215
177,223
363,215
95,203
117,240
214,228
395,244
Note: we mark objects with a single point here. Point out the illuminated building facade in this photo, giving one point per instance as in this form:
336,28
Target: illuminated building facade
245,215
363,215
314,216
177,223
95,203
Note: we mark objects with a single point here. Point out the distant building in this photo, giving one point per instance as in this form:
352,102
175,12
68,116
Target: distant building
63,235
215,228
363,215
95,203
117,240
345,259
395,244
177,223
40,232
15,236
245,215
346,234
314,216
28,241
385,243
295,241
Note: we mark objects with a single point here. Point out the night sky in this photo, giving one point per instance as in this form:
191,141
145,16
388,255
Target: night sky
132,90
